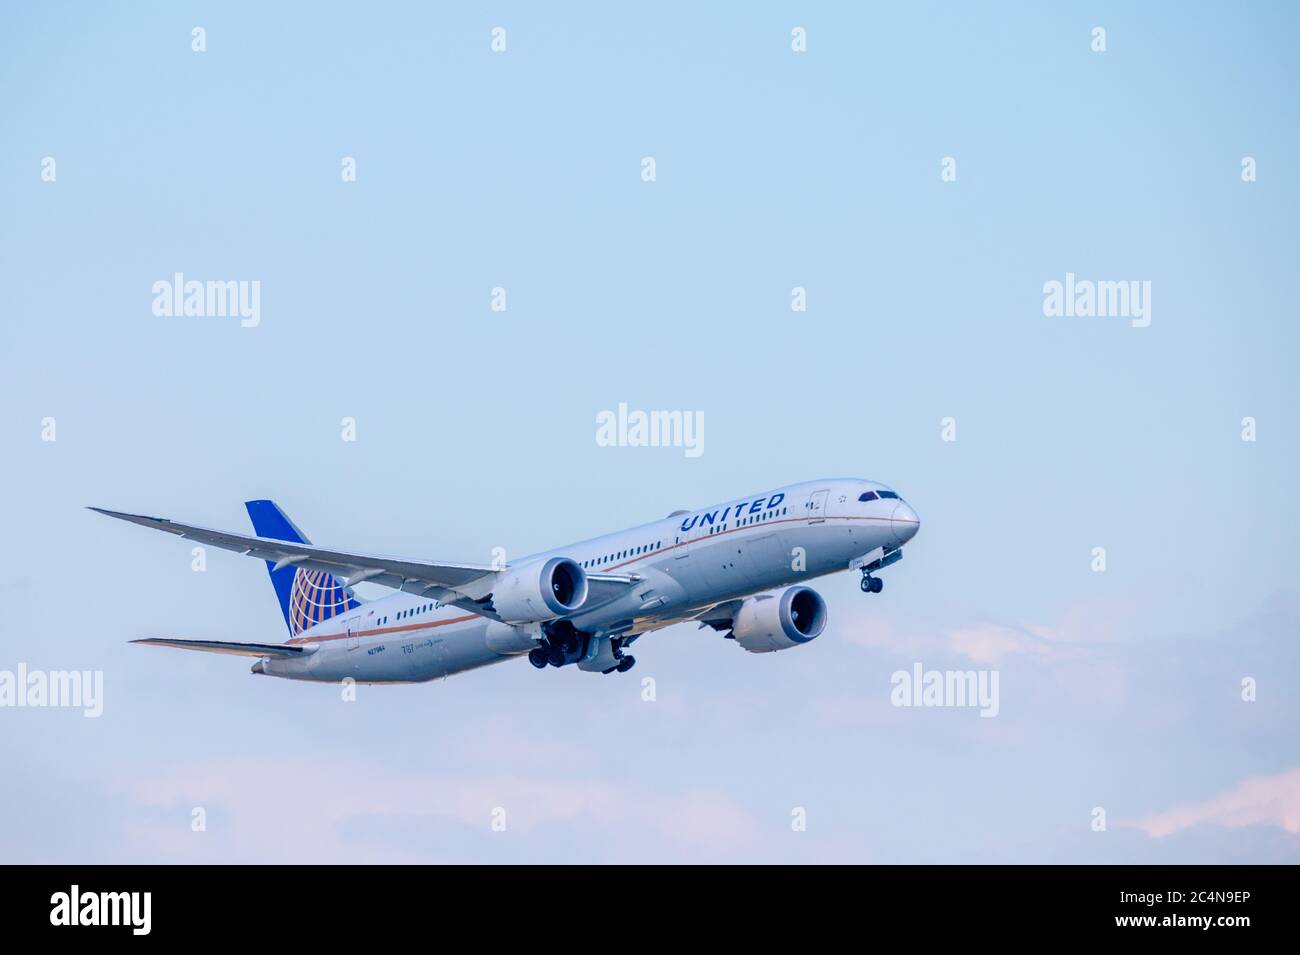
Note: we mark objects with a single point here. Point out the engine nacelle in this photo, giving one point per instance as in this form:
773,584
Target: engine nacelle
542,590
779,621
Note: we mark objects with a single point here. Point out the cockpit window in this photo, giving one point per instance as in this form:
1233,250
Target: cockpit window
868,496
889,494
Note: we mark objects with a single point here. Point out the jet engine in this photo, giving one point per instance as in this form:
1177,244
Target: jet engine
779,621
541,590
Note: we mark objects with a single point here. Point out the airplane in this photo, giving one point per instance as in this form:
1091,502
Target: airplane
737,567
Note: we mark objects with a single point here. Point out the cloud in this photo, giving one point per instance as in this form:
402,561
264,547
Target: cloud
1268,800
990,643
985,642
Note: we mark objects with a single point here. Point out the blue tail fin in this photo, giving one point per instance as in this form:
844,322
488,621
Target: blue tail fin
307,597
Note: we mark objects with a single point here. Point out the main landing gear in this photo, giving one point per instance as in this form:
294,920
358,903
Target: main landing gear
871,585
625,660
563,644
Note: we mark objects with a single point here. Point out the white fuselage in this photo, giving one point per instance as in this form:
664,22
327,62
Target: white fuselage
686,562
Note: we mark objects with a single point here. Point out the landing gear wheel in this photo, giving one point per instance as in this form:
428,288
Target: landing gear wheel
537,657
877,585
625,664
555,657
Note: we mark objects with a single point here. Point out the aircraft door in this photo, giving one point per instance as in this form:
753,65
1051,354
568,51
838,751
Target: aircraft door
354,632
817,507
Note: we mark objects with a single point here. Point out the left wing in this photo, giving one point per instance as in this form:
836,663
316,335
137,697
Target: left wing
461,585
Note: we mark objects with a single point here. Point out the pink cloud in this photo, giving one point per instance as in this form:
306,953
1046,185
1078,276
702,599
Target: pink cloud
1259,800
990,643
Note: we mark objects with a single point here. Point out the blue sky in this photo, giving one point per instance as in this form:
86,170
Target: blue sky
476,428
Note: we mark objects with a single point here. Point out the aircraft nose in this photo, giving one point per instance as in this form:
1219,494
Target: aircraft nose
904,523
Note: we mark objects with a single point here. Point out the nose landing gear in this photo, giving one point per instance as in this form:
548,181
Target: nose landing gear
874,585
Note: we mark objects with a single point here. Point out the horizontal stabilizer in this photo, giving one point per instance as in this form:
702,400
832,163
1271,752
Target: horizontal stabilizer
235,649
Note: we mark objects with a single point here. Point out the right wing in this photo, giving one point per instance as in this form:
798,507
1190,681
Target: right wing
719,616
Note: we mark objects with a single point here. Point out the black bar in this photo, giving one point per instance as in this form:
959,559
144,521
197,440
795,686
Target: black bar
331,905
